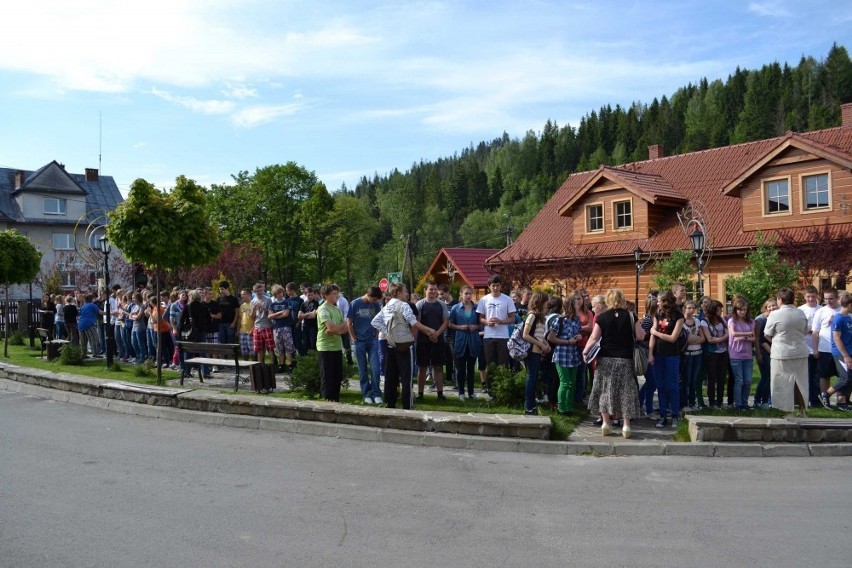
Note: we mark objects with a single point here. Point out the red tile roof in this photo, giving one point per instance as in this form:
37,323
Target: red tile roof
469,262
697,176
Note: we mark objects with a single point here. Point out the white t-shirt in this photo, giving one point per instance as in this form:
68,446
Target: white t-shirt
809,313
500,307
822,323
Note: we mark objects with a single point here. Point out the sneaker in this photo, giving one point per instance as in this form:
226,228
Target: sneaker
542,400
824,399
488,397
675,422
532,412
378,400
843,407
598,421
461,397
430,388
662,422
418,398
471,396
368,400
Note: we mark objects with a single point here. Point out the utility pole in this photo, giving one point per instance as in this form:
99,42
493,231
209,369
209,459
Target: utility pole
410,258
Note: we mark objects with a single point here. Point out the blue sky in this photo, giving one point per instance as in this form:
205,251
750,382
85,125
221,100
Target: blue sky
209,88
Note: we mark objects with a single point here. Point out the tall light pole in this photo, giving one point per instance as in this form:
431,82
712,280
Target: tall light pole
640,266
108,329
697,238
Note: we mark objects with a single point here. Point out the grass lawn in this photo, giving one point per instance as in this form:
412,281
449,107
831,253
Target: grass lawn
23,356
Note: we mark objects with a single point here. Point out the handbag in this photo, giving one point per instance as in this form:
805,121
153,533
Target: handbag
640,354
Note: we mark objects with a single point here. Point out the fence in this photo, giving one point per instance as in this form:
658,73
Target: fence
10,309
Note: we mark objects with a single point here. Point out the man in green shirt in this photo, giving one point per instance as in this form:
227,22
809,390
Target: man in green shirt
330,329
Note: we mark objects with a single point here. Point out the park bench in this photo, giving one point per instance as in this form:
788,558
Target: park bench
52,346
204,355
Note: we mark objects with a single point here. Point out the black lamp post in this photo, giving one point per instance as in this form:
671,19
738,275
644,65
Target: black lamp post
637,256
109,331
697,238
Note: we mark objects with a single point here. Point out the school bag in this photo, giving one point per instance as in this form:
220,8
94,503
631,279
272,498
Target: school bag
519,347
399,334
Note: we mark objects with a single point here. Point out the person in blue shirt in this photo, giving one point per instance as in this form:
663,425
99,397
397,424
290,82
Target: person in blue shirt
365,343
87,325
467,343
841,350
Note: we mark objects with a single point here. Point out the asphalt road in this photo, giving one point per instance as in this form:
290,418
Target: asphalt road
85,487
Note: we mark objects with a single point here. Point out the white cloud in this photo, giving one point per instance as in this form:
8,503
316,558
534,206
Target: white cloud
140,144
770,9
239,91
260,114
196,105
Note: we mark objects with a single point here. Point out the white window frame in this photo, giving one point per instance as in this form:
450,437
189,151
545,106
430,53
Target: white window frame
803,192
588,219
69,241
61,206
66,274
764,195
615,205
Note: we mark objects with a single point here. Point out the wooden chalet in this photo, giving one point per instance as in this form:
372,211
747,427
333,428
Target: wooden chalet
462,266
791,184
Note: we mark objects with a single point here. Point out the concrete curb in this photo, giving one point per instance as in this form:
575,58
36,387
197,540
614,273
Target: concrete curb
433,439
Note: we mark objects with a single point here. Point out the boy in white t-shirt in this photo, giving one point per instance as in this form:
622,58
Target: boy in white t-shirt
496,311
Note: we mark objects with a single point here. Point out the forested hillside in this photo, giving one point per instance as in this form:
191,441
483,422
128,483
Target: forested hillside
488,192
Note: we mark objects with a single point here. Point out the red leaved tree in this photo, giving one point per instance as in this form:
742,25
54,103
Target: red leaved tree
823,251
240,263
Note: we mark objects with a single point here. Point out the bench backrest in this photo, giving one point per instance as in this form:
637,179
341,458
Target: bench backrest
43,333
232,349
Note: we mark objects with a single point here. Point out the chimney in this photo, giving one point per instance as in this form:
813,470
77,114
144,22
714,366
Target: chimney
655,151
62,166
19,179
92,174
846,115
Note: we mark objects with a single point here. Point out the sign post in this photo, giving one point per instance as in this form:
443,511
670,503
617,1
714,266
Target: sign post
394,277
383,284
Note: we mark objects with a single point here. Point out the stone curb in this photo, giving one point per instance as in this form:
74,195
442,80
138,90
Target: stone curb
432,439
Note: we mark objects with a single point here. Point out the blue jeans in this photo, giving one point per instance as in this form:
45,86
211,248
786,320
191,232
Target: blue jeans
646,393
580,384
691,367
227,334
668,389
151,339
367,353
139,341
762,395
742,381
533,364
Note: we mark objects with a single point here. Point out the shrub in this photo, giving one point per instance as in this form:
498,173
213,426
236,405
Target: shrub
507,387
16,338
143,369
71,355
305,376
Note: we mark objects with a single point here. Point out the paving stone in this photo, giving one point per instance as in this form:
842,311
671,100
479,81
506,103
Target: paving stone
638,449
695,449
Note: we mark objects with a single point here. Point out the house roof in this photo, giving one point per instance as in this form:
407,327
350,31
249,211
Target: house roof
700,177
651,187
52,179
469,262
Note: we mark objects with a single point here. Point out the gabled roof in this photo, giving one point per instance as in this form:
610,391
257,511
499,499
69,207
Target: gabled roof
100,196
469,262
51,178
697,176
650,187
789,140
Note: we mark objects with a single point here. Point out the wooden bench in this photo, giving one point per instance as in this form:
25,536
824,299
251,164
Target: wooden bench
204,356
52,346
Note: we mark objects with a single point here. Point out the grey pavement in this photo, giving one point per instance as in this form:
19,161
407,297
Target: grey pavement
86,487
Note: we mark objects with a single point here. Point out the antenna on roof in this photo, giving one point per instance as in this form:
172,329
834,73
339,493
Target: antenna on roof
100,140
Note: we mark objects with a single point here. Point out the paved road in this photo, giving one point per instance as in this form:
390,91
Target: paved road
85,487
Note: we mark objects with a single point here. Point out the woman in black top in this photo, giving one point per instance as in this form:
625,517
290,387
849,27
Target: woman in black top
48,313
665,356
71,320
615,390
195,317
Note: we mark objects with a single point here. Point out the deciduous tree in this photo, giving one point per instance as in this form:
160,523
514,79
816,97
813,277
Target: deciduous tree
19,262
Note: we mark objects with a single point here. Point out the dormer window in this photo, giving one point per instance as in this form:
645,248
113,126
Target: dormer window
776,197
594,218
623,215
816,192
54,206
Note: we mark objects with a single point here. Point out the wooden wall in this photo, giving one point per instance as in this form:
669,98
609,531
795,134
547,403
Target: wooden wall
606,195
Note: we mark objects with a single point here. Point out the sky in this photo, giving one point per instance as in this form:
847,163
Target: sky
210,88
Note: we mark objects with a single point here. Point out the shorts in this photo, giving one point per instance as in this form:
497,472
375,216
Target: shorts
825,366
284,340
496,351
429,353
246,344
262,339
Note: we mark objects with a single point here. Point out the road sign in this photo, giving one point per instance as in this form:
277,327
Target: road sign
383,284
394,277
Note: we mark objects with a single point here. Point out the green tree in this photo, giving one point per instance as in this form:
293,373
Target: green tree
765,273
676,268
351,242
317,222
19,262
164,231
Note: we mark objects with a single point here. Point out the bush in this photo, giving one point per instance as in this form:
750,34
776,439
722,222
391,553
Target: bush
143,369
305,376
507,387
71,355
16,338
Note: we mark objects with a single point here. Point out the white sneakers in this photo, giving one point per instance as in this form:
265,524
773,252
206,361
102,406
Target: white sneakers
378,400
368,400
461,397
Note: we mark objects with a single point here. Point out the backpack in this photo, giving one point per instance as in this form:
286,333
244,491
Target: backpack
399,334
682,341
519,347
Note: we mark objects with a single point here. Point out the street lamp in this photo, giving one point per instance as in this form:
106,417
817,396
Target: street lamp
106,248
697,238
640,266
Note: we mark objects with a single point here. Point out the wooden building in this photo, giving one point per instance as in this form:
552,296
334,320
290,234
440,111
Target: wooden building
790,185
462,266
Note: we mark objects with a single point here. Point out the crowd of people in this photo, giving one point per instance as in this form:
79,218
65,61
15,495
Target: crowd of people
396,336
